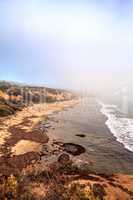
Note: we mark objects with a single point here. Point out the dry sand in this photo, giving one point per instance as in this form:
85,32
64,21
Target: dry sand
25,121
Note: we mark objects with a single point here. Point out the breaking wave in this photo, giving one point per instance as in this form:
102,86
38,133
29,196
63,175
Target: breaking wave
121,127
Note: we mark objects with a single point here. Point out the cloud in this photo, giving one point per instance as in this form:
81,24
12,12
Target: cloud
73,44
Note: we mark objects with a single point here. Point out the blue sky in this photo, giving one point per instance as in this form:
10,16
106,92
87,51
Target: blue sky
73,43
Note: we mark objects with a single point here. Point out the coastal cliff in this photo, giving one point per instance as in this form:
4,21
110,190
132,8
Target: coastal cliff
14,96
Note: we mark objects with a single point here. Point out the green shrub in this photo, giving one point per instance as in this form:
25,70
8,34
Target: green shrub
50,99
6,110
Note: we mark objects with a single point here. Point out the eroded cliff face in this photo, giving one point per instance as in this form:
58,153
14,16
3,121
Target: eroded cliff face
14,97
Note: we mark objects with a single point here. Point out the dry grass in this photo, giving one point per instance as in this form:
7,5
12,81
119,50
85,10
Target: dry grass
47,183
6,110
59,182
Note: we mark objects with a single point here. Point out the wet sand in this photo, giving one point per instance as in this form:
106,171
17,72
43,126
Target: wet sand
85,125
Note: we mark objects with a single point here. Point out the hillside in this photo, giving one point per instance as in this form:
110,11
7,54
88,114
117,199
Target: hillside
15,96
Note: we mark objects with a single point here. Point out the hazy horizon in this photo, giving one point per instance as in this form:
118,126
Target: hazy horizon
73,44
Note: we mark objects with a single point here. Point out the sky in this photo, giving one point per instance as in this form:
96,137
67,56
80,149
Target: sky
67,44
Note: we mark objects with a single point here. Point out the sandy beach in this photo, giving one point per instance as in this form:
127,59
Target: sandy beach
21,135
76,122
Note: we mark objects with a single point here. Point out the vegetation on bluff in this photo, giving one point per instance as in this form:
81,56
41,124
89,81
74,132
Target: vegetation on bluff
14,96
54,182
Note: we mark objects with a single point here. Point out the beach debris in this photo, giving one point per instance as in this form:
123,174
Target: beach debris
64,159
74,149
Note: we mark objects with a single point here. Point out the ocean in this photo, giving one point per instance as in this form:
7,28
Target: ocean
120,121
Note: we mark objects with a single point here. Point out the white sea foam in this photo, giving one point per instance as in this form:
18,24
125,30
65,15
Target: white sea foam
121,127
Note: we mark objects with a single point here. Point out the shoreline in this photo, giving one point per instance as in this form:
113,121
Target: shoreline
30,129
49,169
102,148
21,137
120,126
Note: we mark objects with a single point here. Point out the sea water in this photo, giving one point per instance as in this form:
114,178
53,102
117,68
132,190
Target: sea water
120,124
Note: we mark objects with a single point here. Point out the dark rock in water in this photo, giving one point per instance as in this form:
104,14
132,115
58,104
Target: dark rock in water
99,191
64,158
74,149
81,135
